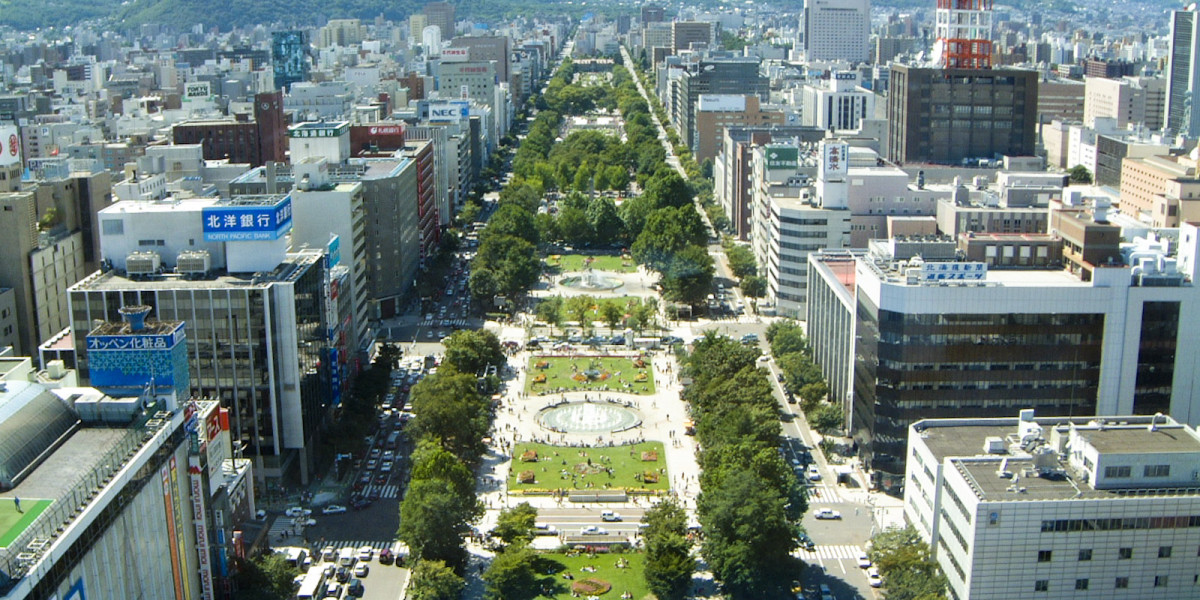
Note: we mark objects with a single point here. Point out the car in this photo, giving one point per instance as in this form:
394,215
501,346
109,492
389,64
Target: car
361,569
360,504
764,359
296,511
333,509
365,553
389,455
827,514
385,556
750,338
574,339
806,542
355,588
873,578
329,554
544,529
592,530
864,561
779,377
342,574
608,515
387,466
371,464
813,473
304,522
826,593
375,454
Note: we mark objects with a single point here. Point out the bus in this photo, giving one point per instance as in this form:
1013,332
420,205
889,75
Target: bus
393,440
312,588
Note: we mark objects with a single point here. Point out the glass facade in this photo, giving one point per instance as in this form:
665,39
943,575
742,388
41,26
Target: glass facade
1156,358
922,366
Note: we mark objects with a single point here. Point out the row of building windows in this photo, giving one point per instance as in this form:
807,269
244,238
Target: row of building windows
1116,524
1043,585
1121,472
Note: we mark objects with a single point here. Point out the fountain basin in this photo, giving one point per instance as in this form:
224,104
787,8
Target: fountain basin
590,281
588,417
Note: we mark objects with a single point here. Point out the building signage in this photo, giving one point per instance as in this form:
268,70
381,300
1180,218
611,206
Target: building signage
953,271
447,112
196,90
845,76
782,157
386,130
834,160
455,54
135,342
10,153
309,132
203,550
335,378
722,103
247,223
333,255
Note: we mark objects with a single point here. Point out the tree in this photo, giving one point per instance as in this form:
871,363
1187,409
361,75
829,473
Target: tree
547,227
483,285
741,260
762,459
431,461
550,311
788,339
667,232
689,276
450,408
612,314
604,222
573,225
434,521
754,286
433,580
907,565
516,525
264,577
825,418
511,219
669,563
1080,174
473,350
511,575
667,188
579,308
748,537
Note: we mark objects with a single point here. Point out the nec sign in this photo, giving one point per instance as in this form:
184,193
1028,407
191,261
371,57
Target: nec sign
447,112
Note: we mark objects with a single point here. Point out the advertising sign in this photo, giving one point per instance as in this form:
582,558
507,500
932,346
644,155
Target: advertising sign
135,342
456,54
782,157
247,223
835,160
10,153
203,548
386,130
447,112
333,255
197,90
953,271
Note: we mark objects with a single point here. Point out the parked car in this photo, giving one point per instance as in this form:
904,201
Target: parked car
360,504
361,569
544,529
873,577
333,509
365,553
296,511
304,522
864,561
342,574
827,513
813,473
592,530
355,589
329,554
806,542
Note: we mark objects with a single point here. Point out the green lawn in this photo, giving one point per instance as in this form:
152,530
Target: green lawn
608,374
13,523
625,461
578,262
628,579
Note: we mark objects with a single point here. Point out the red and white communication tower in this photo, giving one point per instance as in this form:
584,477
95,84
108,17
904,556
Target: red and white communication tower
964,34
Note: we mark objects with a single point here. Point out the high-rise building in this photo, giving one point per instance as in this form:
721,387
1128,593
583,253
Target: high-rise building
715,112
1129,101
241,141
440,15
964,34
837,30
712,76
1183,73
686,33
289,57
653,14
1057,507
124,357
493,48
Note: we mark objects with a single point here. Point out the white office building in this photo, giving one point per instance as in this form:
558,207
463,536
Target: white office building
1079,507
837,30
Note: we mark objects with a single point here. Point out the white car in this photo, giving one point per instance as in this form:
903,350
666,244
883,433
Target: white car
329,554
592,530
304,522
813,473
873,578
361,569
333,509
365,553
863,560
296,511
608,515
827,513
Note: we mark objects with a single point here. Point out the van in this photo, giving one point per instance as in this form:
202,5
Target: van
346,557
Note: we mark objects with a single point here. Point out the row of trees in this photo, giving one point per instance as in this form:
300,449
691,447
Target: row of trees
744,267
634,313
802,377
907,566
453,416
751,503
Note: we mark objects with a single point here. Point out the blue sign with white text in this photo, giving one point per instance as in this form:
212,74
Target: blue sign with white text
247,223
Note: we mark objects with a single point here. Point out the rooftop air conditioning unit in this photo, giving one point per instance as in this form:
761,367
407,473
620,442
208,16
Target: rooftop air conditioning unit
193,262
143,263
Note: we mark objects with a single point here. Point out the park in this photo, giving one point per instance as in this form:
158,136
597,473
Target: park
557,374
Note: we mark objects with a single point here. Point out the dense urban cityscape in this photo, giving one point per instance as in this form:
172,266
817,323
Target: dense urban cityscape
834,300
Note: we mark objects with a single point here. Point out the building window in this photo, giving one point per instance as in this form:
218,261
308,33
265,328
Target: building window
1085,554
1122,583
1081,584
1044,555
1157,470
1160,581
1124,553
1164,551
113,227
1116,472
1041,585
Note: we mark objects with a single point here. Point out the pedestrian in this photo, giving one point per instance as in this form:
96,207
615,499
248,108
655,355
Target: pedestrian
17,504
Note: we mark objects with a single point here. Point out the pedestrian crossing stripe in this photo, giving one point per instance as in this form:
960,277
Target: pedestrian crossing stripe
830,552
384,491
376,545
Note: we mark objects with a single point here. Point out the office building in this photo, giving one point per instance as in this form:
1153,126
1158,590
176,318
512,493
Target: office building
686,33
1060,99
904,339
124,357
732,182
952,116
837,30
256,315
241,140
289,58
715,112
323,101
712,76
440,15
469,80
1161,191
837,103
653,14
1129,101
1183,73
341,33
1057,507
964,34
489,48
9,332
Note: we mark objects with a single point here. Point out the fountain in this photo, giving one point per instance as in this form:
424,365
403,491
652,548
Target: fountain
590,281
588,417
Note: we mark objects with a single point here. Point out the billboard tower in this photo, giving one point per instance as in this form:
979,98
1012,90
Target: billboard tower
964,34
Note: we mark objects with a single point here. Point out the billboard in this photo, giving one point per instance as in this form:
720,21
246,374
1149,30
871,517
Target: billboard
11,152
722,103
135,342
835,160
448,111
953,271
782,157
456,54
225,223
196,90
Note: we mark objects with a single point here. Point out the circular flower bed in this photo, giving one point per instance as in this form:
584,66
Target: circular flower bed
591,586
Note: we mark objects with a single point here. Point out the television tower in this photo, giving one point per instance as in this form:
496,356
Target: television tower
964,34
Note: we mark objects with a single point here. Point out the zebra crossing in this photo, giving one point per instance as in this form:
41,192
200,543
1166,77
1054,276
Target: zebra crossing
337,545
279,527
824,493
382,491
456,323
831,552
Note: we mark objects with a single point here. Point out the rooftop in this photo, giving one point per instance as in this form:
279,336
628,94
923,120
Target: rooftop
153,327
113,280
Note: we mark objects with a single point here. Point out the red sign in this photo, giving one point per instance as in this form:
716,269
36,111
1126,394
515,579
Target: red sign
386,130
13,145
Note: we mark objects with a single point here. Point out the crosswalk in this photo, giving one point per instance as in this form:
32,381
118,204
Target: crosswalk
279,526
377,545
824,493
382,491
456,323
831,552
